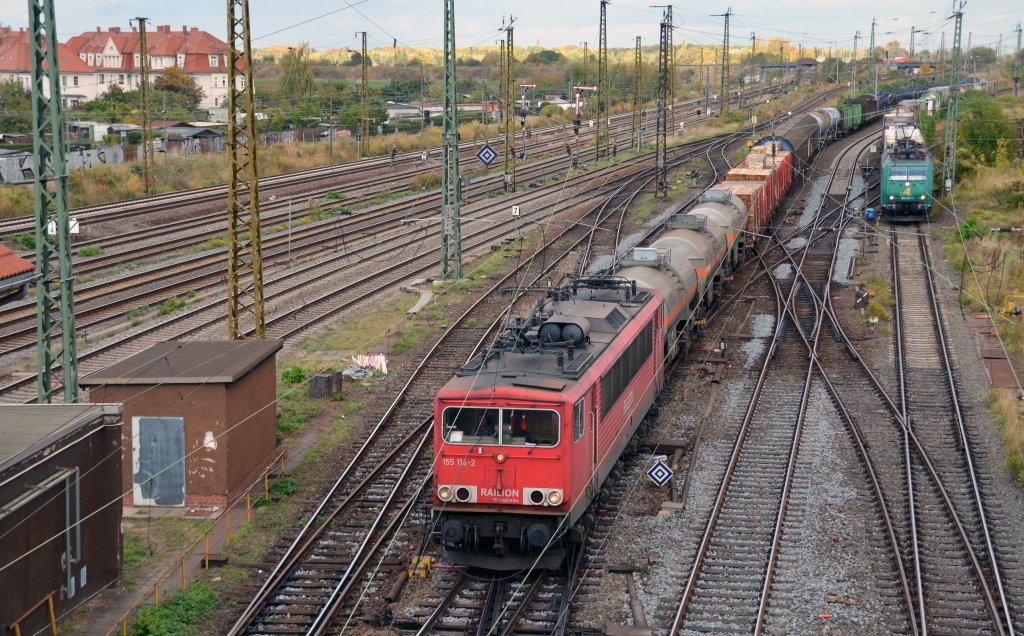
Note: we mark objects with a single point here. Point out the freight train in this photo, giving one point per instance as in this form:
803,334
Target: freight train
907,170
527,432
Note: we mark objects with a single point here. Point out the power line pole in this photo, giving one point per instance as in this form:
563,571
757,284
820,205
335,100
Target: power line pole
144,95
724,93
245,257
910,57
853,67
502,106
707,90
661,184
586,57
799,69
874,60
949,160
638,98
451,185
603,126
364,105
671,97
55,301
753,60
1016,64
508,90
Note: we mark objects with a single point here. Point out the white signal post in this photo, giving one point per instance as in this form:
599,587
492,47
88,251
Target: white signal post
576,122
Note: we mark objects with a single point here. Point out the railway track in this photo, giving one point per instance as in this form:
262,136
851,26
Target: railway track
927,487
956,600
302,298
412,411
111,304
341,175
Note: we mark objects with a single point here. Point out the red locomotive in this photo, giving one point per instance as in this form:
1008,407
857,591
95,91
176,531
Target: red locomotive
527,432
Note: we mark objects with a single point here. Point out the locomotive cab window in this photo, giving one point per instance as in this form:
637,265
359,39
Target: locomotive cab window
500,427
468,425
917,173
898,173
577,420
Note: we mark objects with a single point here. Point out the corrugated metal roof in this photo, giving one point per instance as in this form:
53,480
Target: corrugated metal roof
192,362
12,265
26,429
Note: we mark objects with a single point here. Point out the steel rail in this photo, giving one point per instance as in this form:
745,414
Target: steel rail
966,444
296,550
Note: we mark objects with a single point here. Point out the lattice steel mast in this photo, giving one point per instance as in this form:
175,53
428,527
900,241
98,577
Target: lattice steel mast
145,95
364,94
509,97
874,62
451,187
245,259
603,123
949,159
1016,64
661,138
55,301
638,98
723,95
853,66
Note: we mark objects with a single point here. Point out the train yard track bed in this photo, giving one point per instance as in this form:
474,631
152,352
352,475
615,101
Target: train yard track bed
835,564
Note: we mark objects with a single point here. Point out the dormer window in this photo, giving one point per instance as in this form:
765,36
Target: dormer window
214,61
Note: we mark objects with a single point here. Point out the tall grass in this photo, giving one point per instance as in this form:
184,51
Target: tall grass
1009,414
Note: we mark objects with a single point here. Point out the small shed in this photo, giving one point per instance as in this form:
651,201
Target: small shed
15,275
200,419
60,509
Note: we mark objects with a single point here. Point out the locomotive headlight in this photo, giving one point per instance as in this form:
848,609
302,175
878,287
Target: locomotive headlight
500,458
892,197
555,497
923,197
444,493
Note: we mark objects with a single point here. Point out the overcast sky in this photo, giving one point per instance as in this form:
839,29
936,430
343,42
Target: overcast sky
326,24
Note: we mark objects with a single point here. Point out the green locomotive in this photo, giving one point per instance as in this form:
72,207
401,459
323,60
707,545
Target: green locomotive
907,170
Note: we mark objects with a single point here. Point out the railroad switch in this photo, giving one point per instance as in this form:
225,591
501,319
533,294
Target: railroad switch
420,567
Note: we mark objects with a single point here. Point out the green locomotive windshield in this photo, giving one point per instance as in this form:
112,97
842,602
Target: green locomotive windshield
908,173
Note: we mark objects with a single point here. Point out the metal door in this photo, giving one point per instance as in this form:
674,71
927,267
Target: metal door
158,466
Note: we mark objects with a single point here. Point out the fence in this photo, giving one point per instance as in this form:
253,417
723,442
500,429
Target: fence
196,557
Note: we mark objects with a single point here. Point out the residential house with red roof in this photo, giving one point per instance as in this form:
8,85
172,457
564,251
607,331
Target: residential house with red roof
78,82
114,55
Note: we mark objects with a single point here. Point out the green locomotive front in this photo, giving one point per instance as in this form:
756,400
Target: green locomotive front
907,170
907,188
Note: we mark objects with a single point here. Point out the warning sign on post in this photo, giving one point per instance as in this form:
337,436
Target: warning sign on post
51,227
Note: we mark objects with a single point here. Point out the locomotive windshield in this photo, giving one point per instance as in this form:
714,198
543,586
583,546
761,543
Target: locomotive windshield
908,173
500,427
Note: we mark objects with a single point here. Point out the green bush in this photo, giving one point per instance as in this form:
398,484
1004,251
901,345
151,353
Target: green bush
90,250
176,615
171,304
294,374
27,241
284,487
334,196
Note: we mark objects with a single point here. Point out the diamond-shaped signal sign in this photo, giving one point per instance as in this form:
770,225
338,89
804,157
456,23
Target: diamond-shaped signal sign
487,155
660,474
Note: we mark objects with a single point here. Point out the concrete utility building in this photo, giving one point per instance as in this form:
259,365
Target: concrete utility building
60,510
199,419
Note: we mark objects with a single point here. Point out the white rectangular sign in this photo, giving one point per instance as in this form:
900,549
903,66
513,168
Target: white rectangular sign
51,227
